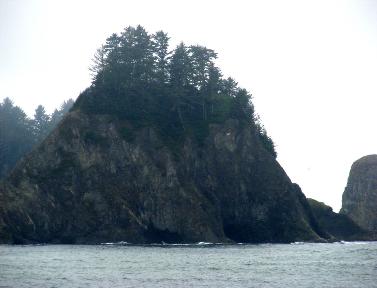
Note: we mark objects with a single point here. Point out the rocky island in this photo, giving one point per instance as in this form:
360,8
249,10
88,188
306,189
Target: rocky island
160,148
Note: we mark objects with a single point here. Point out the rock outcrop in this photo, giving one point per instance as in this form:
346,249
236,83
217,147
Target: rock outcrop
88,182
360,196
338,225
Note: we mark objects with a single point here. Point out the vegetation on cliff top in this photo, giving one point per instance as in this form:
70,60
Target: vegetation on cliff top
180,92
19,133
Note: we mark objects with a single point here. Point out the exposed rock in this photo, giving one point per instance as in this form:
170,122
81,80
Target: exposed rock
340,226
88,183
360,196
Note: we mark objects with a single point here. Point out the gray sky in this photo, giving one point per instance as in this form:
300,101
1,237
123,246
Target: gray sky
310,65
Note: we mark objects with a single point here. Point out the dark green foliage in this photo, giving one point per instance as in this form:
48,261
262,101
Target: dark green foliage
16,135
94,138
268,143
127,133
40,123
19,134
266,140
180,92
58,114
160,44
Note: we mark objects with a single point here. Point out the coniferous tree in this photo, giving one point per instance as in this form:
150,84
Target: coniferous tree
65,107
139,80
16,137
160,49
229,87
213,86
180,70
18,133
266,140
58,114
98,65
41,123
180,67
202,59
243,107
136,54
111,70
112,51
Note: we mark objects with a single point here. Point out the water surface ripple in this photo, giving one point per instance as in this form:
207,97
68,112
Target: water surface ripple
268,265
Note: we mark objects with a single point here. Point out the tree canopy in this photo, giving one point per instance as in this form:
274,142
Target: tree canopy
19,133
180,91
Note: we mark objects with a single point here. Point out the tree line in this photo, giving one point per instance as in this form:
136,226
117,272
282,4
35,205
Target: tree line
180,91
19,133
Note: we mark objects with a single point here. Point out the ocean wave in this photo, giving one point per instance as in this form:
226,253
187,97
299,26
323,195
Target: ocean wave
116,243
355,242
164,244
205,243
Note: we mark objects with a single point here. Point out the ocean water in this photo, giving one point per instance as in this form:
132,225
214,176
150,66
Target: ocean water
343,265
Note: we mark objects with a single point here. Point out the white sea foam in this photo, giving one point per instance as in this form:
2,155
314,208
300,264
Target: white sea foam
116,243
204,243
355,242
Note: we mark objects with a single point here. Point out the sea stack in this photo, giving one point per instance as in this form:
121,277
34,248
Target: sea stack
160,148
360,195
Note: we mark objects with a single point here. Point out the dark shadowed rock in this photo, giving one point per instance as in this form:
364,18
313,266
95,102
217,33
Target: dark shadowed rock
340,226
89,183
360,196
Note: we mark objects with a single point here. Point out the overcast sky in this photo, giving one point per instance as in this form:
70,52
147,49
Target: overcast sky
310,65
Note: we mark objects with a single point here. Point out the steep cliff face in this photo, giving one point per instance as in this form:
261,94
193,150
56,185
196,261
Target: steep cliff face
89,182
360,195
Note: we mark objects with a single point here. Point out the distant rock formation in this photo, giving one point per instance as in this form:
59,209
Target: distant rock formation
340,226
360,195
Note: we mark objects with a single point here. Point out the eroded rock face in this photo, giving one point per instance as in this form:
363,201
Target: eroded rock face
339,225
360,196
89,183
